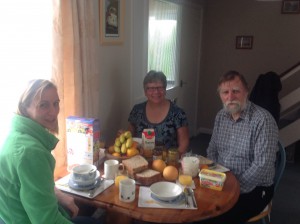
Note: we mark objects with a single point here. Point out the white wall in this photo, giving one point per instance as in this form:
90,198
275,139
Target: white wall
115,81
275,48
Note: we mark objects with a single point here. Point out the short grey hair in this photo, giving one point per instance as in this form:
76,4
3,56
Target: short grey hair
155,76
229,76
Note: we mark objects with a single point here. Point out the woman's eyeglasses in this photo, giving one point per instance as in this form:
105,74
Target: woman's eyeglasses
158,89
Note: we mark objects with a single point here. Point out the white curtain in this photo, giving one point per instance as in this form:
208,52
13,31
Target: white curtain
163,38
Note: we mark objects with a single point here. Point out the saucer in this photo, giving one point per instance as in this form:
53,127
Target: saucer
178,200
75,186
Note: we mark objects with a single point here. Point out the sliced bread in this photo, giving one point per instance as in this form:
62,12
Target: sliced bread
148,177
135,165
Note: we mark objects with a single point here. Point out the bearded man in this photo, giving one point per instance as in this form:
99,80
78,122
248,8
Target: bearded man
245,140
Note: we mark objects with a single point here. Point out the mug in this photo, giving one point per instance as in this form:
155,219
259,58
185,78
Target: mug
111,167
127,190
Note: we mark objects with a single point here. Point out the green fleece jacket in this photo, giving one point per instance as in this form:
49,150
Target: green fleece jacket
26,175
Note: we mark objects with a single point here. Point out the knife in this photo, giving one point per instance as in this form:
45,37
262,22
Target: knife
192,194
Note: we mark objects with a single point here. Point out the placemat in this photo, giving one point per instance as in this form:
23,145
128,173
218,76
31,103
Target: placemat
63,185
146,201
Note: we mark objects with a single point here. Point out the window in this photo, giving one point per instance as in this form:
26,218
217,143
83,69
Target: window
163,39
25,50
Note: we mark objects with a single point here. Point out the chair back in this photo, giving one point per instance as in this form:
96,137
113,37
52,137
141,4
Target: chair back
279,165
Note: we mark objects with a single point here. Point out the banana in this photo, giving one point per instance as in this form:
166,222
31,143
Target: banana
117,149
123,148
122,138
127,134
129,143
117,142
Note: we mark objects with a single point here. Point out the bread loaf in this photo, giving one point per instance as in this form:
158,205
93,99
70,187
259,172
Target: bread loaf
148,177
135,165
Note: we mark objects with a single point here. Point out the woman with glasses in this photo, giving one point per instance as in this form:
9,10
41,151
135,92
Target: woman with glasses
167,119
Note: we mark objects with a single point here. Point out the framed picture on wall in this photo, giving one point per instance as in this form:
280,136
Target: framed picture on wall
111,13
290,7
244,42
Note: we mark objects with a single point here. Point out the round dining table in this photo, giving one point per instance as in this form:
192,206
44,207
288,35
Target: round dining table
210,203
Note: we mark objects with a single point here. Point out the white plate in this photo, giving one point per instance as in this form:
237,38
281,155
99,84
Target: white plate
84,183
166,191
75,186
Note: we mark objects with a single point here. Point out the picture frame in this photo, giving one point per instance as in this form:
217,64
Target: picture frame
290,7
244,42
111,21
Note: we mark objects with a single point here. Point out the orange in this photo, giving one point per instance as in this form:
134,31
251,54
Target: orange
159,165
170,173
111,149
116,154
132,152
203,166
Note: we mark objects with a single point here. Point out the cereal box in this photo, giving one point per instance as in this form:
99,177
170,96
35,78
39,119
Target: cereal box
212,179
83,141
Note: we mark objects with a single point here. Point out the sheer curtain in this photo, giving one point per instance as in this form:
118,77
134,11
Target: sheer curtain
74,64
163,38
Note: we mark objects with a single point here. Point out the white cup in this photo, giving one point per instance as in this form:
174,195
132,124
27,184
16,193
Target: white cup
127,190
111,168
190,165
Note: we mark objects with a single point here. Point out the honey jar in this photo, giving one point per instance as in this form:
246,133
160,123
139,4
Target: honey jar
173,157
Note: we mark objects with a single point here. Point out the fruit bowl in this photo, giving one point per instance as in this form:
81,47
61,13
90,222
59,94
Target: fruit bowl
129,149
121,157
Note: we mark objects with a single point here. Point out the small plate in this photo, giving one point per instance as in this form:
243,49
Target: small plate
75,186
179,200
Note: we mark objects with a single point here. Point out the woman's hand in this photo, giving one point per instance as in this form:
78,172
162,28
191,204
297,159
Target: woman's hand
67,202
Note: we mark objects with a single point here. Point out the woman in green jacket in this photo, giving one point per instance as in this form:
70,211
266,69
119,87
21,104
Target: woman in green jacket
27,187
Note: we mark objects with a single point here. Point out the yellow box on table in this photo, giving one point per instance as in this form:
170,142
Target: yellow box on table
212,179
83,141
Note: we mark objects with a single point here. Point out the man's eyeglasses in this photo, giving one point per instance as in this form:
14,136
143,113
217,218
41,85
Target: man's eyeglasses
158,88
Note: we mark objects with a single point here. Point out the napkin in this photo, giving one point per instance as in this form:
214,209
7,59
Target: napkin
146,201
63,185
220,168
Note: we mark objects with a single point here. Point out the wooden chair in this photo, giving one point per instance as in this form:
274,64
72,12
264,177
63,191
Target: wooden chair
280,165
